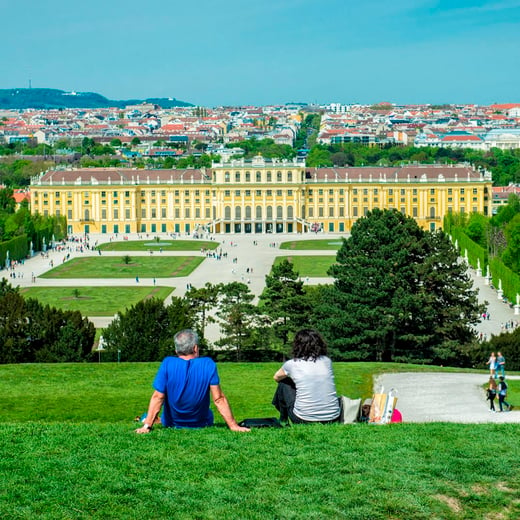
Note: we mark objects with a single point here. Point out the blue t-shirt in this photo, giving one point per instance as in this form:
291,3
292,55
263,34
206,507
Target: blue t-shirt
185,384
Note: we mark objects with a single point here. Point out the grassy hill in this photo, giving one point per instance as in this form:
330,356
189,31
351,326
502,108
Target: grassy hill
68,451
48,98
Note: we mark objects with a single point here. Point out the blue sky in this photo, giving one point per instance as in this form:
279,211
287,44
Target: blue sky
273,51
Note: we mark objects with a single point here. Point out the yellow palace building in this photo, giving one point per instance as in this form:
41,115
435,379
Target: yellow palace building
257,196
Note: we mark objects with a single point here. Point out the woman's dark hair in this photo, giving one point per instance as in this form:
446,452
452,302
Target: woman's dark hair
308,344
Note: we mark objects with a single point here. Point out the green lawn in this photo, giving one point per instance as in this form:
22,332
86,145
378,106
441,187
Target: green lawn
95,301
154,245
332,244
115,267
312,266
68,451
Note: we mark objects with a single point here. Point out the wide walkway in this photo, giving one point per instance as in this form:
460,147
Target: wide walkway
441,397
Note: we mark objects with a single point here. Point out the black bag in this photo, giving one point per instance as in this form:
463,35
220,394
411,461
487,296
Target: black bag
266,422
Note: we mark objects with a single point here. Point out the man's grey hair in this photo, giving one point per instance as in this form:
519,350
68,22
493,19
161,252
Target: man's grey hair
185,342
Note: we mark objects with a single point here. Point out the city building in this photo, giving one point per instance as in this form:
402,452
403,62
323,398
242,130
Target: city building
257,196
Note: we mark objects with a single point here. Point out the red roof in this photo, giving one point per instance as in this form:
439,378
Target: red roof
461,138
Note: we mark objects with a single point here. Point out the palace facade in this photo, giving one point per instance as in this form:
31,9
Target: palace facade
258,196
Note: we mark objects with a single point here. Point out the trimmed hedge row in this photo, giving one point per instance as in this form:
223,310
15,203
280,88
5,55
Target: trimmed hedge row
18,248
499,271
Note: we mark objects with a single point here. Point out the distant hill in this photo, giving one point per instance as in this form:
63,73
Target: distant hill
19,98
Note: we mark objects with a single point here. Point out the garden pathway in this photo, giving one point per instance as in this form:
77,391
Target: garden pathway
442,397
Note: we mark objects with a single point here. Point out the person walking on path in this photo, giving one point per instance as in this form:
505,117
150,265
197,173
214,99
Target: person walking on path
492,393
502,394
501,365
492,362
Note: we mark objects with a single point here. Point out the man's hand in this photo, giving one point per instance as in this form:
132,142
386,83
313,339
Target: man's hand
241,429
145,428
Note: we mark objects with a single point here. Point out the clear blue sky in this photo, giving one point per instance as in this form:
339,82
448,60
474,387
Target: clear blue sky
271,51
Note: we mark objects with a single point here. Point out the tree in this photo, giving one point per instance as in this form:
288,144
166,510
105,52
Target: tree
399,294
145,331
7,202
137,333
201,302
319,156
31,332
239,318
511,255
13,339
477,228
284,301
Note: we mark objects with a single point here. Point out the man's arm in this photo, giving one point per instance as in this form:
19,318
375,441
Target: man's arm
224,409
154,408
279,375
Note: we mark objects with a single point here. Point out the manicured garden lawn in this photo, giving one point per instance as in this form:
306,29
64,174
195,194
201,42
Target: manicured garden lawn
68,451
156,246
318,244
312,266
94,301
115,267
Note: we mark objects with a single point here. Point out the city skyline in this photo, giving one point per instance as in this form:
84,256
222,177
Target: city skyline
245,54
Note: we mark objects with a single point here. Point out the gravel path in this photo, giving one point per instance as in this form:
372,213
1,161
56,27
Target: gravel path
438,397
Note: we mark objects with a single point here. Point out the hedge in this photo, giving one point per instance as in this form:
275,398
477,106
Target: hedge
18,248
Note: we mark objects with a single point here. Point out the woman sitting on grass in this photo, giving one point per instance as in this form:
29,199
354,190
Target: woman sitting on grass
306,391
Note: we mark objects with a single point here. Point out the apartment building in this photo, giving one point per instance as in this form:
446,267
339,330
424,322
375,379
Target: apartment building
258,196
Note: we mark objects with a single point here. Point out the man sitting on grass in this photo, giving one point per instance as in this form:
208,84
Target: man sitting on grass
182,388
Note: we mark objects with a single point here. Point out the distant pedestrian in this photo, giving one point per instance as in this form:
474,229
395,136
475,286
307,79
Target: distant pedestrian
137,279
492,362
501,365
502,394
491,393
154,282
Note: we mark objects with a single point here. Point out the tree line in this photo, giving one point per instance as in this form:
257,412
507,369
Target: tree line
503,164
499,235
